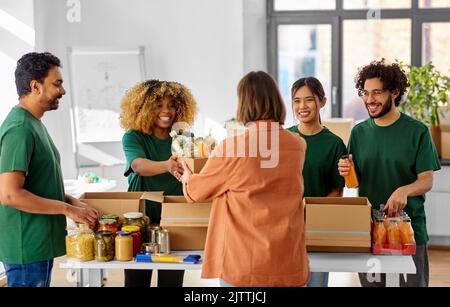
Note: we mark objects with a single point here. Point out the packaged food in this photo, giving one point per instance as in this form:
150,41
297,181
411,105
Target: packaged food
406,231
393,231
185,144
379,233
137,219
124,246
110,216
108,225
104,246
136,236
80,243
351,180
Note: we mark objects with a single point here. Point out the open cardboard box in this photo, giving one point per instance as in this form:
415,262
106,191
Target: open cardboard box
194,164
342,127
187,223
444,124
339,224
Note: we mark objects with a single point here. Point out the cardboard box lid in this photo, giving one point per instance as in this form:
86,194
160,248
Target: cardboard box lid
176,211
338,215
444,121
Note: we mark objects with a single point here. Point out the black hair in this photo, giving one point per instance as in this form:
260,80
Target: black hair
312,83
392,76
33,66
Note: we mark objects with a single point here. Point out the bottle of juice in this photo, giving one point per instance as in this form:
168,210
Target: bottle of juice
406,232
351,180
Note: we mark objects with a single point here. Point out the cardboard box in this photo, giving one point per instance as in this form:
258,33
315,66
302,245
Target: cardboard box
195,164
116,203
444,123
338,224
342,127
187,223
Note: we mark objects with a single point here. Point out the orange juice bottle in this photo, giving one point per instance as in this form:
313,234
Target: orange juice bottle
393,232
379,233
406,232
351,180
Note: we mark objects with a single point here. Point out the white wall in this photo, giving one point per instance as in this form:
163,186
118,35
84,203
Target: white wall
16,39
205,44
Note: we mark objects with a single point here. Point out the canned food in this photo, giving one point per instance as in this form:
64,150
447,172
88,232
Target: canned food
152,234
151,248
163,241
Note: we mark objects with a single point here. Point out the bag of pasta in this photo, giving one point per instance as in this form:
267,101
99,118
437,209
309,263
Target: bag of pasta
80,242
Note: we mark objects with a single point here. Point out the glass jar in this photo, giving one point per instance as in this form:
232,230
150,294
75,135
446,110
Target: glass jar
110,216
137,219
80,243
108,225
379,232
406,232
136,236
124,246
393,232
104,246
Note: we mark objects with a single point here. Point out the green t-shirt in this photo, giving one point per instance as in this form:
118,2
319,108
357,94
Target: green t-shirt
140,145
320,172
387,158
26,146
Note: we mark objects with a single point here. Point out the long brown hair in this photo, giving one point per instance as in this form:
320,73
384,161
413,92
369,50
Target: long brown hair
259,99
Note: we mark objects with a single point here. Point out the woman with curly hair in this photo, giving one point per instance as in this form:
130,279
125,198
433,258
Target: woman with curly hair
149,110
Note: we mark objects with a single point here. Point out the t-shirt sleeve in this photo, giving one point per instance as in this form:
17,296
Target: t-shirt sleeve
337,179
427,158
16,150
132,149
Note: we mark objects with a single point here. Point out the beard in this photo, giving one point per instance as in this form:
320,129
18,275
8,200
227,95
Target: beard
385,110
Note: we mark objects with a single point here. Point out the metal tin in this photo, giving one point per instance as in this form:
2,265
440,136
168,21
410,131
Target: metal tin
163,241
153,234
151,248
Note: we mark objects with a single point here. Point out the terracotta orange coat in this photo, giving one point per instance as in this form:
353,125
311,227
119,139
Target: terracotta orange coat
256,233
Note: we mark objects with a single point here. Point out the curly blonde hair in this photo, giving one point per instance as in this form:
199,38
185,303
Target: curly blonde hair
139,103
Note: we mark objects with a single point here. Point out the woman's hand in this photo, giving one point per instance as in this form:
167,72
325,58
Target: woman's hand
174,167
186,173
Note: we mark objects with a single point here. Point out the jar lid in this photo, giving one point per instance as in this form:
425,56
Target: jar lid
123,233
103,233
131,228
133,215
109,216
107,221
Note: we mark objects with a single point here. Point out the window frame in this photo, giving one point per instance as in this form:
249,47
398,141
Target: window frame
418,17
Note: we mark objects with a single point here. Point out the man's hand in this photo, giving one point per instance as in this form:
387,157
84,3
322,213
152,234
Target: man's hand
397,201
174,167
186,173
344,166
83,215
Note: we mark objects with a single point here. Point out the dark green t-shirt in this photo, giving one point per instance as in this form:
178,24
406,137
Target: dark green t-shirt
26,146
387,158
320,172
139,145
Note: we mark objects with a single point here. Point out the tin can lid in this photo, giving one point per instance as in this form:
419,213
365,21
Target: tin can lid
133,215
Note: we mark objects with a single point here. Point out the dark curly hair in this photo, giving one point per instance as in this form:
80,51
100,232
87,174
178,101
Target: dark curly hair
392,76
33,66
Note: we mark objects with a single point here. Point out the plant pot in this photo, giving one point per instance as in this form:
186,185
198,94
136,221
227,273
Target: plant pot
436,135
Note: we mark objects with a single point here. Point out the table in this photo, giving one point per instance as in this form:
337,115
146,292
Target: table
91,273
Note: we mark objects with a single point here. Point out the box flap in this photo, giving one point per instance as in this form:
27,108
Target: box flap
153,196
111,195
348,201
444,121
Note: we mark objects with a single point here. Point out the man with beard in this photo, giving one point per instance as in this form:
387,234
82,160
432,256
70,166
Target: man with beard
33,206
394,158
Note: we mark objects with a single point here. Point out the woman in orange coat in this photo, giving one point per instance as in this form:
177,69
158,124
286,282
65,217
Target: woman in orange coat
256,234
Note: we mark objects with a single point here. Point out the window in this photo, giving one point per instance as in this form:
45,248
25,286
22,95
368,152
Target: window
332,41
434,3
376,4
295,5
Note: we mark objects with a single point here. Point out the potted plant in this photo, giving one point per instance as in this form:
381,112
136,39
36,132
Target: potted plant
428,96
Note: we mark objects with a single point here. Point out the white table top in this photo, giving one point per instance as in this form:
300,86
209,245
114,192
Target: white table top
319,262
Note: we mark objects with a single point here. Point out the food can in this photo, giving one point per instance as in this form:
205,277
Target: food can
163,241
151,248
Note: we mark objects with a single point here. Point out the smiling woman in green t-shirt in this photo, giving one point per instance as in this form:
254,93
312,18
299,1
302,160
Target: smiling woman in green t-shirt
320,173
149,110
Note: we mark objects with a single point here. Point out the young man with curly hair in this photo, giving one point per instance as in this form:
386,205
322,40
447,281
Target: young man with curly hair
149,110
394,158
33,206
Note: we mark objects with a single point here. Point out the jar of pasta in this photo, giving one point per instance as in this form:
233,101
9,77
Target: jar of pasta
80,243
